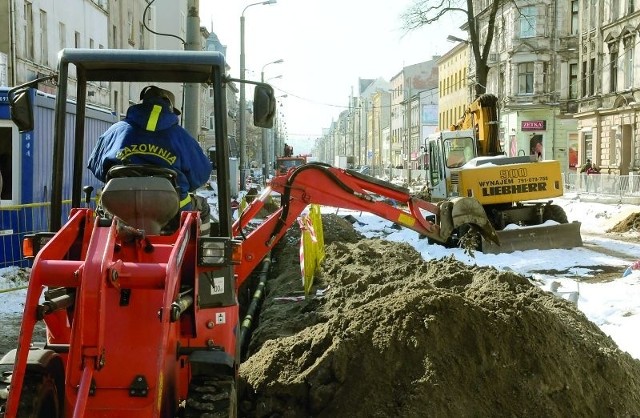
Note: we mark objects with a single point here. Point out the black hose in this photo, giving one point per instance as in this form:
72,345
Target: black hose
245,327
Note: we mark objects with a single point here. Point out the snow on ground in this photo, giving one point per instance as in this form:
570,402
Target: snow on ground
614,306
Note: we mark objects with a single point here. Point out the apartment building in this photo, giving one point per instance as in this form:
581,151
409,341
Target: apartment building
32,33
608,84
453,86
533,65
406,110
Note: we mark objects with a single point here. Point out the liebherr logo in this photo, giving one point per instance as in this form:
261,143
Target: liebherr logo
146,149
514,189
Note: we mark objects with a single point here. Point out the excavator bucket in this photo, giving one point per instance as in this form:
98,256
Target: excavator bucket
542,237
465,210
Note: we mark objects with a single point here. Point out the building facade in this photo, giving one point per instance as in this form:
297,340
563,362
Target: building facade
32,33
608,85
406,110
533,63
453,85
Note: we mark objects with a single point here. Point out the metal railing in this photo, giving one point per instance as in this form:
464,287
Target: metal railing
624,189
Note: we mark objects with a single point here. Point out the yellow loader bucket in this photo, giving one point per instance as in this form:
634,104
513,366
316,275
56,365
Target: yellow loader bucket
543,237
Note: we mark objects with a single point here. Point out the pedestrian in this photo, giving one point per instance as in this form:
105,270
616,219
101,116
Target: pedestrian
590,168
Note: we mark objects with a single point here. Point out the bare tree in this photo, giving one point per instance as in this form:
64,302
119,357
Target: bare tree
426,12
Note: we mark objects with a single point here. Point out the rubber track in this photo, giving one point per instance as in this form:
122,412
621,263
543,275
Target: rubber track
211,397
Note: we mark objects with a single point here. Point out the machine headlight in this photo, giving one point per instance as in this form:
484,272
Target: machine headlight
216,251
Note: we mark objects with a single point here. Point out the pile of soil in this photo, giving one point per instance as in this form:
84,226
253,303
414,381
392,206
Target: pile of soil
396,336
629,224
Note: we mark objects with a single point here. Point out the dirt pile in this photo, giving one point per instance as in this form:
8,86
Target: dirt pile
630,223
396,336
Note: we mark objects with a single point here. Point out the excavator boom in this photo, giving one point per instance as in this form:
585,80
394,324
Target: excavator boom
318,183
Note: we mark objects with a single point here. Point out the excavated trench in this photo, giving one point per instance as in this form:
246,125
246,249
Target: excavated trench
393,335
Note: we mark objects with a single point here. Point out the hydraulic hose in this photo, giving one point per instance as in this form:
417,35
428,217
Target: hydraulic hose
245,328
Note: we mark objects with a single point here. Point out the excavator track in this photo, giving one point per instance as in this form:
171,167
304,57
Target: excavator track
211,397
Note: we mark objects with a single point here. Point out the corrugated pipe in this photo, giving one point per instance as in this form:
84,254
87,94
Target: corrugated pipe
245,328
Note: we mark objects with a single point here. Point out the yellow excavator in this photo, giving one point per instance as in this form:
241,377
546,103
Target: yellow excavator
515,192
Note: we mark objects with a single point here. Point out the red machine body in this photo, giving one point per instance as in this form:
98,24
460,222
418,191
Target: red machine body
123,351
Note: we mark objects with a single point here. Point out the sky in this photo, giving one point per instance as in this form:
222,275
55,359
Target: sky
326,45
613,306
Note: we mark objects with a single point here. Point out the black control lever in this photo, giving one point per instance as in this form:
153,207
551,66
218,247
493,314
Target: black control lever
87,194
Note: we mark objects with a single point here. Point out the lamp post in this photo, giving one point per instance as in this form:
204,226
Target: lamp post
243,105
265,153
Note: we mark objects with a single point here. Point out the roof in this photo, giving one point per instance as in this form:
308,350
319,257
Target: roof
144,65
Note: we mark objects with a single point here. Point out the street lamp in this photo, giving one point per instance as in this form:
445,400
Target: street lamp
243,105
452,38
265,152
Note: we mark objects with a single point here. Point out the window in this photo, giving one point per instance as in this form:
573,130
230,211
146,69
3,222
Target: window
6,162
130,28
615,12
629,42
592,77
114,37
528,22
584,79
630,7
573,81
28,38
593,7
77,40
44,39
574,17
141,37
614,145
587,146
62,35
458,151
525,78
91,43
613,72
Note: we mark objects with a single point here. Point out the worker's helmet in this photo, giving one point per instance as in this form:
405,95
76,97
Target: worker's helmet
154,92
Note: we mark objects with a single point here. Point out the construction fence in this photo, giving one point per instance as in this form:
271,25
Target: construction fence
17,221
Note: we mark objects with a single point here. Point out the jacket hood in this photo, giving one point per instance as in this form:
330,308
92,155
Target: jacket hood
139,115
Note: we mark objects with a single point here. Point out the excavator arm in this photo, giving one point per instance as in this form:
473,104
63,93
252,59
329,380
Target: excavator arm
482,116
318,183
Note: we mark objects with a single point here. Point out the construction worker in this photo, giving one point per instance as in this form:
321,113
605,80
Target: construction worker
151,134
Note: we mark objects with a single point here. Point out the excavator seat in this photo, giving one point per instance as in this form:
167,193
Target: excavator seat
145,203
